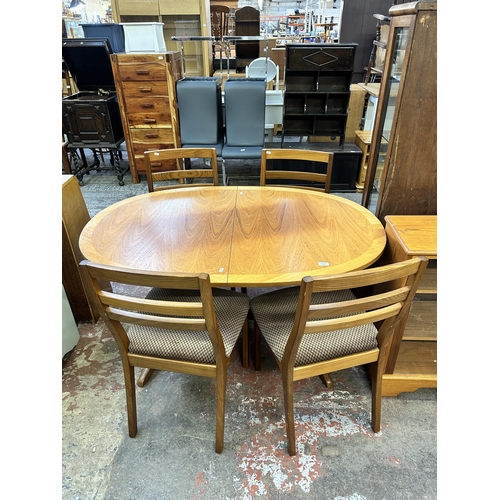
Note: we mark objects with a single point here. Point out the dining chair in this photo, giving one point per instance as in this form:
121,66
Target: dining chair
245,105
219,21
165,158
332,323
289,160
182,325
199,105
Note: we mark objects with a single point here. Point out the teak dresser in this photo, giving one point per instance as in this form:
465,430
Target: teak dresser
145,86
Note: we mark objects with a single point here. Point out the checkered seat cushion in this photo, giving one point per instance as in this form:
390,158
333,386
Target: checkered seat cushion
275,311
231,310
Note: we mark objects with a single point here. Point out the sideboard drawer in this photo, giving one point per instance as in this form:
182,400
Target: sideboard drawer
151,138
154,112
145,89
143,69
160,166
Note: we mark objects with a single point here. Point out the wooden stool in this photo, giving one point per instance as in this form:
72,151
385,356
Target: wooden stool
363,140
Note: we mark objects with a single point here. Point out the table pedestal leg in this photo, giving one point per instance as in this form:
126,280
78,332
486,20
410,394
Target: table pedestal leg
327,380
145,376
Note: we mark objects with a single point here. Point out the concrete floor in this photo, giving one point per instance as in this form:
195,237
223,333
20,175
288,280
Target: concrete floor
173,455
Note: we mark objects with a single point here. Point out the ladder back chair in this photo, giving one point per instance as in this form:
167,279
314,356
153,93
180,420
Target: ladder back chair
219,20
181,325
323,326
290,176
162,160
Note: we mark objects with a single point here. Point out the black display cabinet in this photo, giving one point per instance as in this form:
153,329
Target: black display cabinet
317,89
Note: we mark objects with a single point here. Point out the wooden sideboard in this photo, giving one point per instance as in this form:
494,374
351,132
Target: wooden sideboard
412,362
145,86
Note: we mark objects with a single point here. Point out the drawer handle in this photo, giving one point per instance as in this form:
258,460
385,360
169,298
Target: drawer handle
145,89
152,136
149,120
142,71
155,163
147,105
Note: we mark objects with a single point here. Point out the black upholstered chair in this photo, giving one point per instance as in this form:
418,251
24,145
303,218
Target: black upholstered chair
245,105
199,103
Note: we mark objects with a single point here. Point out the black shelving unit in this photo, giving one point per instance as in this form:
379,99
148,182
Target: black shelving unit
317,89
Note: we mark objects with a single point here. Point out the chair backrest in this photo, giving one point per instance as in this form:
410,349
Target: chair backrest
199,102
356,308
118,308
289,160
245,103
157,158
219,19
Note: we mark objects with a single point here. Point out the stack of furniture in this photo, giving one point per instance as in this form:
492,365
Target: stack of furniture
145,86
317,89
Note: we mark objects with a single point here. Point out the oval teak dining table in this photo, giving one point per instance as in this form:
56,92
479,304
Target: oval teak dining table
251,236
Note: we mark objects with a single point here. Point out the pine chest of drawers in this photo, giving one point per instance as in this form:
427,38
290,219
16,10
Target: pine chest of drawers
145,86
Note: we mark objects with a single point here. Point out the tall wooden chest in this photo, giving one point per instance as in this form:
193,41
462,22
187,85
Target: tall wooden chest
145,85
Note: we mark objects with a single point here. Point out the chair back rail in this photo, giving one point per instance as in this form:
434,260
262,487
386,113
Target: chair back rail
156,158
294,155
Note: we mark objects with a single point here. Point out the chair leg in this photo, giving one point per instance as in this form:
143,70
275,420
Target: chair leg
128,372
224,172
256,347
377,397
244,360
289,416
221,408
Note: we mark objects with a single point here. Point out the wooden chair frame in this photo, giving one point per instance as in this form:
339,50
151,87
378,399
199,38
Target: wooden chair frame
116,308
297,154
384,308
156,158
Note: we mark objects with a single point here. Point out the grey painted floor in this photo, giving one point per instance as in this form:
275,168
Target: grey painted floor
173,456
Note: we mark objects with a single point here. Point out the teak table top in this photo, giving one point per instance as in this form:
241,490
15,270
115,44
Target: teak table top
242,236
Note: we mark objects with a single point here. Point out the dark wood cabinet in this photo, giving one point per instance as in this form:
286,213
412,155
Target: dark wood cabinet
246,23
401,177
91,117
358,25
317,89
